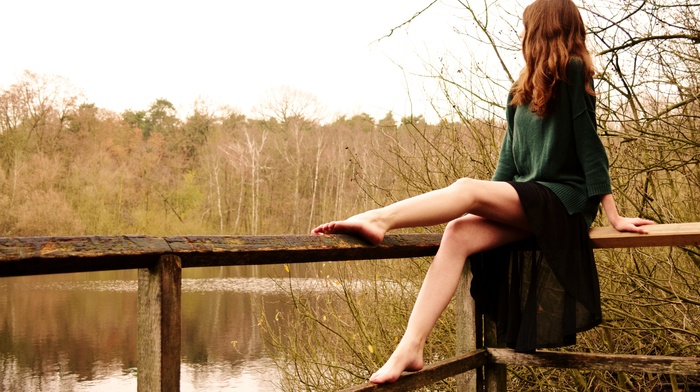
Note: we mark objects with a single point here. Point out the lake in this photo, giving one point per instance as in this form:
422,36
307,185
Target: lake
77,332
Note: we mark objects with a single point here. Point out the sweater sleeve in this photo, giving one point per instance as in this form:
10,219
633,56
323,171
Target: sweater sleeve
505,169
589,148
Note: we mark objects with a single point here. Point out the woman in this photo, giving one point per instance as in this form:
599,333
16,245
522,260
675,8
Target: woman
552,175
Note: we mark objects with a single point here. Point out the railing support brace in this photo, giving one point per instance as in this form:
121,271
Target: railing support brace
159,325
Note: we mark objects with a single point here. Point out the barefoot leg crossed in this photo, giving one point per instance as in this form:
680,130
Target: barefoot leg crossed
493,217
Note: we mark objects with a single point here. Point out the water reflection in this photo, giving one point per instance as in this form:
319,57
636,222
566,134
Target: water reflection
78,331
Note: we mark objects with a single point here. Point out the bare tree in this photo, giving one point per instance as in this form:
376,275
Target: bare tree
294,114
248,154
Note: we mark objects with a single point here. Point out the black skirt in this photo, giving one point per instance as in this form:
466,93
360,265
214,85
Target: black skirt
543,290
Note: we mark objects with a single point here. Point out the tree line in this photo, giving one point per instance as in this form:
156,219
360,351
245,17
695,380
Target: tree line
70,167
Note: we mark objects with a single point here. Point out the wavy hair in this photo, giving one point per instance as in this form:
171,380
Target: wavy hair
553,33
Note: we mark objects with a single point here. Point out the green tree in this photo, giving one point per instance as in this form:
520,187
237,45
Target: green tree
161,116
388,122
138,119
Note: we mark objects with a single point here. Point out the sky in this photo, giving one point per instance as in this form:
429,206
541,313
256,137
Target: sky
126,54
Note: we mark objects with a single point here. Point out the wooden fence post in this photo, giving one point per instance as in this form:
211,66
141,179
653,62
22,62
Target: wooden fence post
495,374
466,328
159,340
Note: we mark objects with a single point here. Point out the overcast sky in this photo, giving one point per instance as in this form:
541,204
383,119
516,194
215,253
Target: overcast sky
126,54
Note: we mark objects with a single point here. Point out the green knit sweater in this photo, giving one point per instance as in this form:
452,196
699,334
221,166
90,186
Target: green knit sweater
561,151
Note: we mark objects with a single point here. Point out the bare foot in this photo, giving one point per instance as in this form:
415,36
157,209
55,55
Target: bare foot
362,225
401,360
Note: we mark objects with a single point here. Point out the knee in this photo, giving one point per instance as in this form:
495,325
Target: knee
463,233
455,240
456,229
463,183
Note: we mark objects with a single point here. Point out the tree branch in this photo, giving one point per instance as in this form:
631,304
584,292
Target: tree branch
635,41
407,21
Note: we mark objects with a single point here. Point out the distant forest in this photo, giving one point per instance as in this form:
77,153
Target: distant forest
70,167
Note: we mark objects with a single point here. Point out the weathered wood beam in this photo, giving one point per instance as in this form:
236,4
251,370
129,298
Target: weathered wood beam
206,251
689,366
495,374
670,234
467,329
46,255
430,374
159,329
160,285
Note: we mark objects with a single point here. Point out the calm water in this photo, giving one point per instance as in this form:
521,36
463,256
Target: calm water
77,332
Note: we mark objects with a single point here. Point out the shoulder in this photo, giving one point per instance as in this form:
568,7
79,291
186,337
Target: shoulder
579,77
575,69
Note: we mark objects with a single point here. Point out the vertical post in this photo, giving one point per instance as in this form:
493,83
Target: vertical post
495,374
466,328
158,340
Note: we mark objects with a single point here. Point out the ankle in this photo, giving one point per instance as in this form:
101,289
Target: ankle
412,345
376,218
381,219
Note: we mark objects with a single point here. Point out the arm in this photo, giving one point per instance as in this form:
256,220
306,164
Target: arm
589,148
505,168
633,225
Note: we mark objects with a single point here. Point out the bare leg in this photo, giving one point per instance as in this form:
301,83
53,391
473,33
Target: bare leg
463,237
432,208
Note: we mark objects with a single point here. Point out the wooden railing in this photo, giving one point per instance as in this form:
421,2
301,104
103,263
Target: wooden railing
160,260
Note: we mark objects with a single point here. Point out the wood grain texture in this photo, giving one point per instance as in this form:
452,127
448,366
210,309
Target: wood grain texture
159,325
160,259
670,234
430,374
689,366
46,255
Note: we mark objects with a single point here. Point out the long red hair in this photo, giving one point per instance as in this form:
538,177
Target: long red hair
553,33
